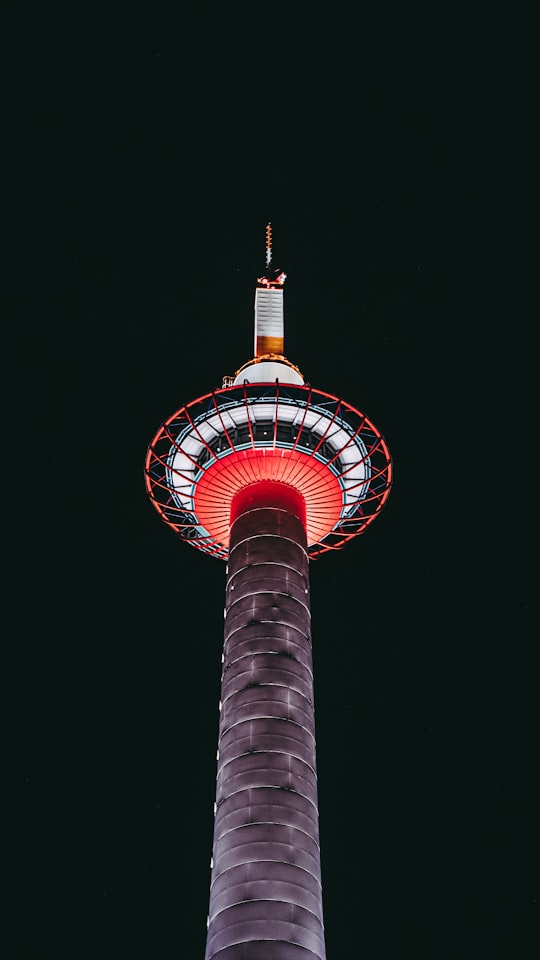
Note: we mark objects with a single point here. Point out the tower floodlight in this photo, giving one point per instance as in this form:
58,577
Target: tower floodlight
267,473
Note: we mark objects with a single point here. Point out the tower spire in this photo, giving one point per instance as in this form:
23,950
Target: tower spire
268,245
269,307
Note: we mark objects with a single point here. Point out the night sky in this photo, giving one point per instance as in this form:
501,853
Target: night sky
149,156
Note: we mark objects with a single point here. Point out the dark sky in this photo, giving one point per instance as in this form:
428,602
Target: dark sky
148,158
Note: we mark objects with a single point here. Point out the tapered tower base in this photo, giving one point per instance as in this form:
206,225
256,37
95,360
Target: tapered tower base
265,896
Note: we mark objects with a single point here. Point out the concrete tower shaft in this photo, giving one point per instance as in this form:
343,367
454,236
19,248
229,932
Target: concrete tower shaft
265,896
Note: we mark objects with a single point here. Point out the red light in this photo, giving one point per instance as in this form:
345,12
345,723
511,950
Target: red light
221,482
269,493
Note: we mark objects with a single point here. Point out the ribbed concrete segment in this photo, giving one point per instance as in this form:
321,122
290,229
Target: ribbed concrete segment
265,897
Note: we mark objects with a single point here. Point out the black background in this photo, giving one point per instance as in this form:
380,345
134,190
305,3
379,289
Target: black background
148,158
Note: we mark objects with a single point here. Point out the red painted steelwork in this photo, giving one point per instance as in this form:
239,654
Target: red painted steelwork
317,485
247,433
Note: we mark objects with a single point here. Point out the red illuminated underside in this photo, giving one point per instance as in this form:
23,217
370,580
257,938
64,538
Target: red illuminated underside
225,478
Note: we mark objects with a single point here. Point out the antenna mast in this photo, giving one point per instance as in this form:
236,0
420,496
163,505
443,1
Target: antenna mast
268,244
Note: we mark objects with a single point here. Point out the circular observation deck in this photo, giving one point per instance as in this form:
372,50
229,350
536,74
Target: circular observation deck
217,445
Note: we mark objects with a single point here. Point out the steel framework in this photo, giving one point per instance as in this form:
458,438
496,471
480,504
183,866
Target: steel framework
212,447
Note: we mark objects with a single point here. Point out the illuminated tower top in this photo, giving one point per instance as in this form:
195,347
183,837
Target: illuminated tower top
267,424
269,361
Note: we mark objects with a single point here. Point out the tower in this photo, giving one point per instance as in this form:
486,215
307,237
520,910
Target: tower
267,473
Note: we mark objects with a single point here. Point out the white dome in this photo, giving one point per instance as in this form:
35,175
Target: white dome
268,371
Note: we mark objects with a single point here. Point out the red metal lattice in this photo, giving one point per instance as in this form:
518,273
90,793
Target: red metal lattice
216,445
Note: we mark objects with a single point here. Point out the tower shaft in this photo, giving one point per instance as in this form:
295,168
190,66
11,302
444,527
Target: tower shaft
265,895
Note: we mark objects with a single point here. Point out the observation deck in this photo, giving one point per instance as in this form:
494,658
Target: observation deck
216,445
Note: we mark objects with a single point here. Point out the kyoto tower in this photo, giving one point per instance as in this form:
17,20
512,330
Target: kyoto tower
267,473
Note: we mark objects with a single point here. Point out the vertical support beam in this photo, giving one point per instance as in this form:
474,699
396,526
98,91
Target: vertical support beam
265,896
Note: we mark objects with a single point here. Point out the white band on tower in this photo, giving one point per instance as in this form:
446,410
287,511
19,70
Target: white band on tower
268,321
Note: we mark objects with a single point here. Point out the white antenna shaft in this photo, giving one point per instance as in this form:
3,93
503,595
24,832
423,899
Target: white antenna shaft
268,244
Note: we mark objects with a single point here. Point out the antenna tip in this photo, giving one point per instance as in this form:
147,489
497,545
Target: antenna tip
268,244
